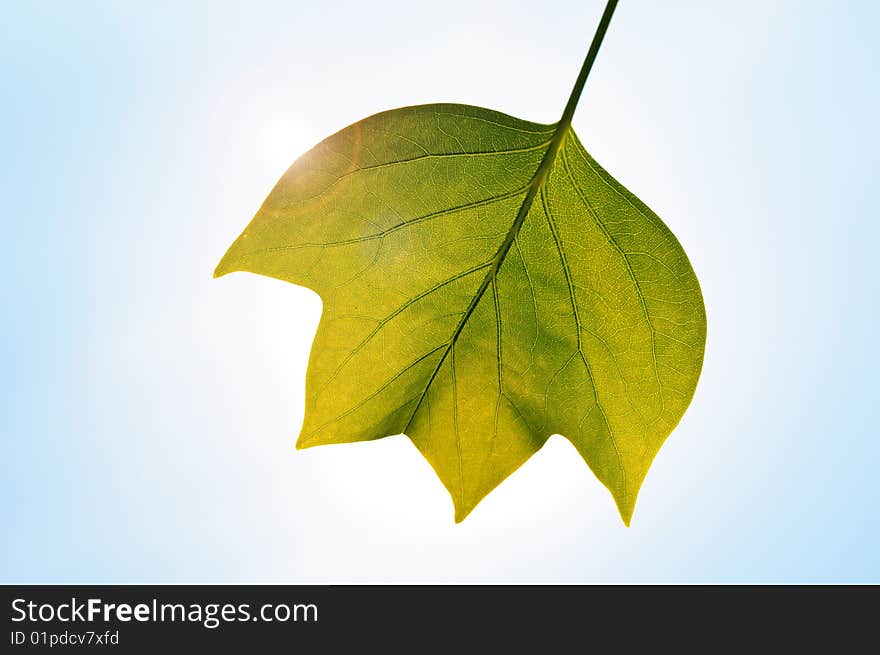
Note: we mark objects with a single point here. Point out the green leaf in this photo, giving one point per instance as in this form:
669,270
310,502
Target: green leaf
486,284
478,329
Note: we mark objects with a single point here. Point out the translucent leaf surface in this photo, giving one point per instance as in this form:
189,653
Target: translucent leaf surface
486,284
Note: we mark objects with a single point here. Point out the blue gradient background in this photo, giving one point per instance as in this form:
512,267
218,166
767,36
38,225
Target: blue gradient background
149,412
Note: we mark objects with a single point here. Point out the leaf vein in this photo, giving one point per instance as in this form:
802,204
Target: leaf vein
639,293
580,349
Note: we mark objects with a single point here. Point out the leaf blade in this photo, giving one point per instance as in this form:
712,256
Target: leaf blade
431,329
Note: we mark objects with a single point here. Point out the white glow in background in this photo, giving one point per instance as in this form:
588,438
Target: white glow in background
149,412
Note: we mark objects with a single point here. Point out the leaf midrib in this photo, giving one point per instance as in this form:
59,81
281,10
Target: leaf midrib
535,185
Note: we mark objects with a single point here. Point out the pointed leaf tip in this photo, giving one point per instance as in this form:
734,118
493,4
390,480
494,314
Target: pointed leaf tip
462,511
304,441
626,506
226,264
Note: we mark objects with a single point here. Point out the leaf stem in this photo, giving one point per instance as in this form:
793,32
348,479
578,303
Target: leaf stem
565,121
